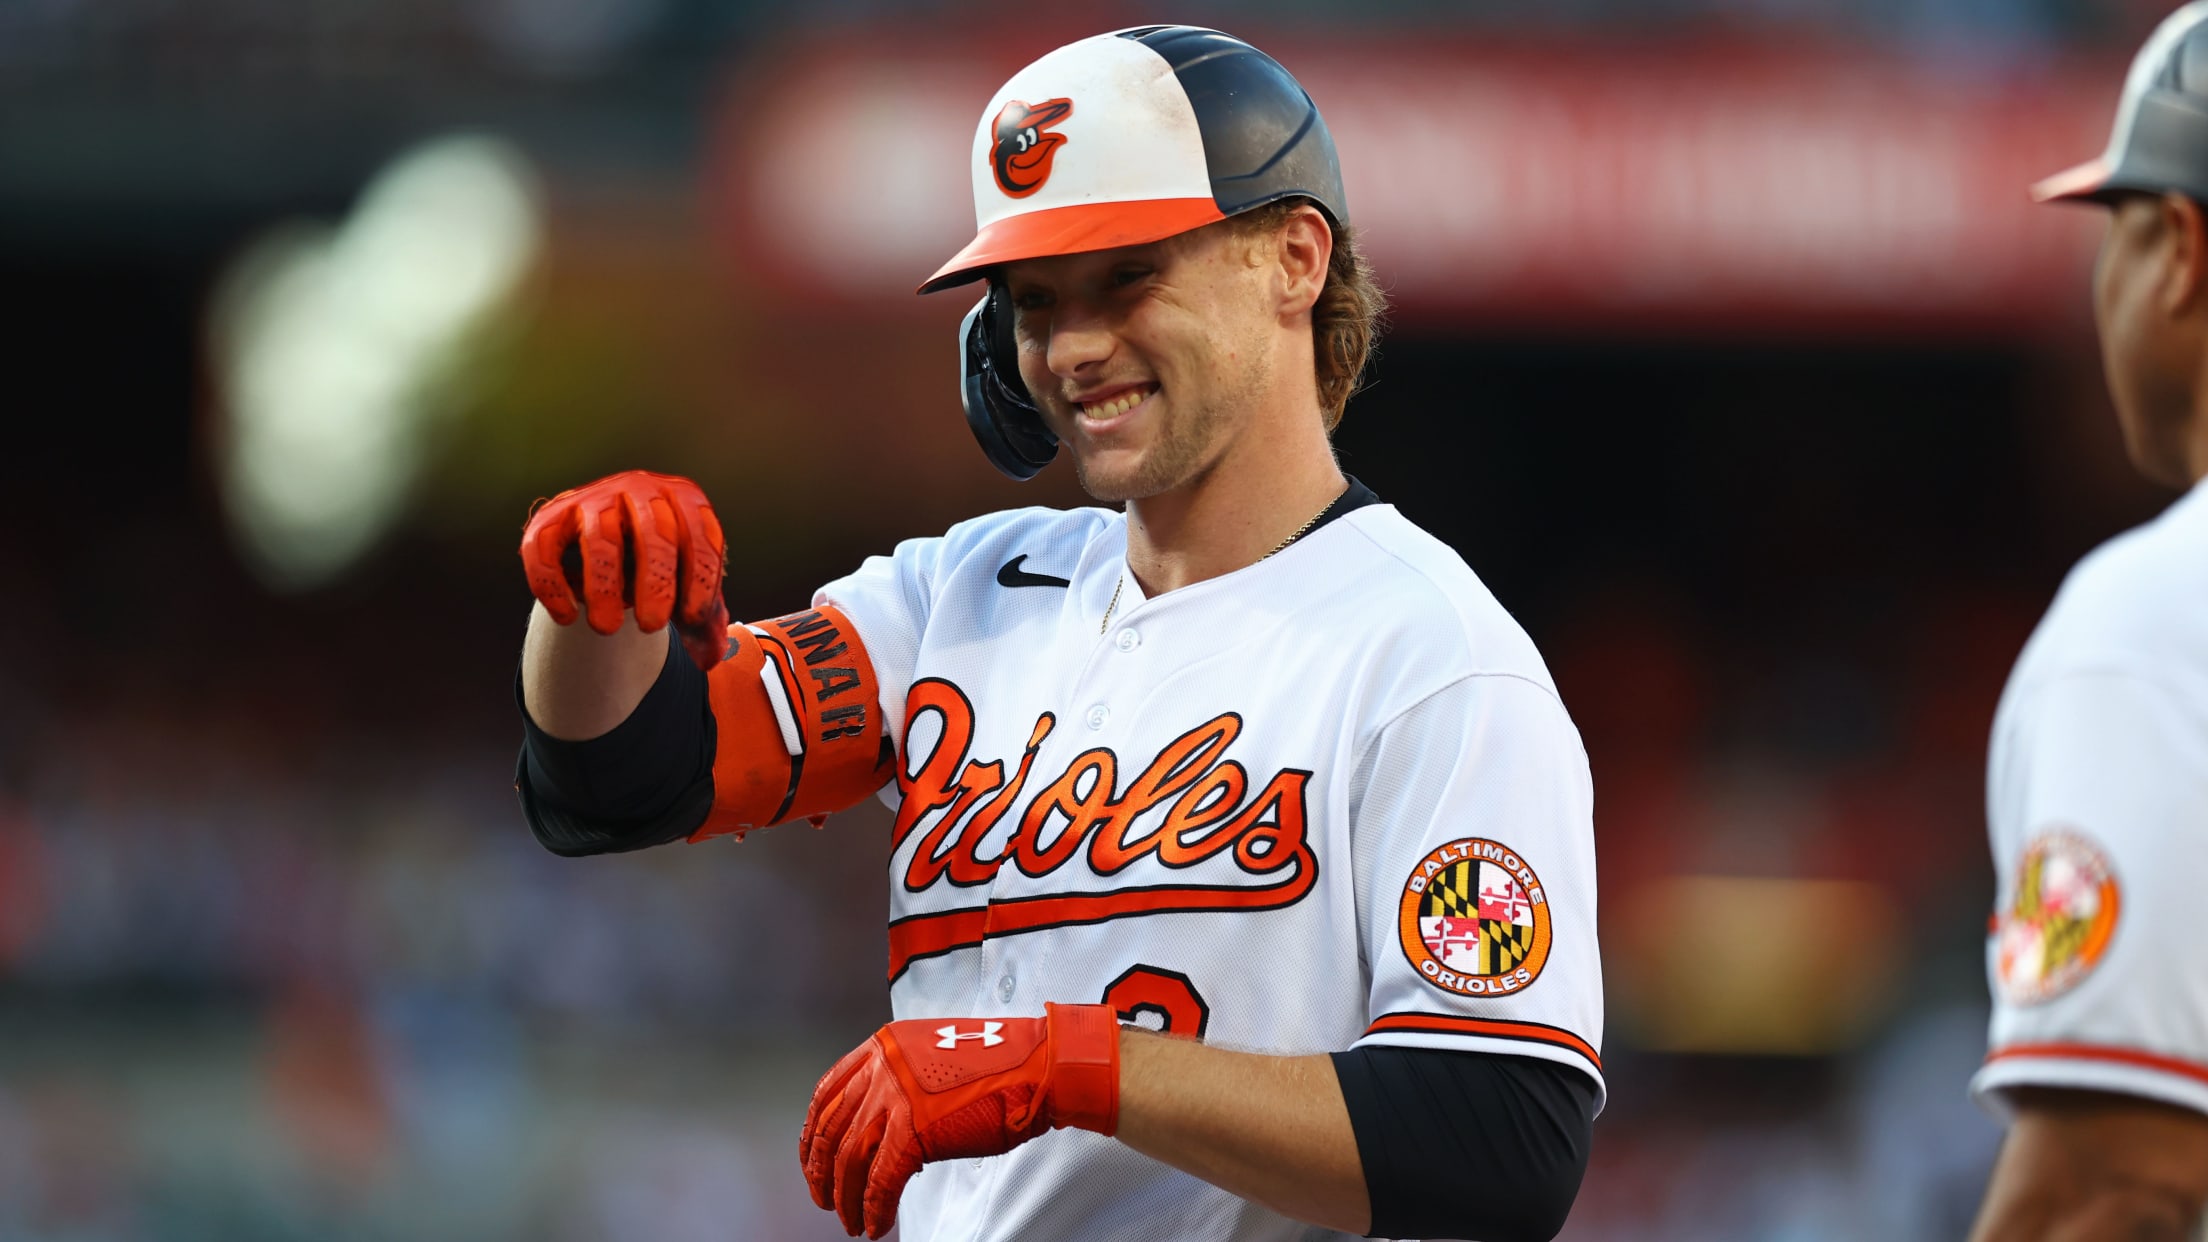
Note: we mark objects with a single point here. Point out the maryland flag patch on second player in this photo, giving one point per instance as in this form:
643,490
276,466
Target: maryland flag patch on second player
2060,921
1474,920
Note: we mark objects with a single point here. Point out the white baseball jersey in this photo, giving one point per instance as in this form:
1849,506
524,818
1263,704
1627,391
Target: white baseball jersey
1328,799
2097,797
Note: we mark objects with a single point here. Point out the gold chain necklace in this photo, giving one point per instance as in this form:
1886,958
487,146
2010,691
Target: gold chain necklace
1278,548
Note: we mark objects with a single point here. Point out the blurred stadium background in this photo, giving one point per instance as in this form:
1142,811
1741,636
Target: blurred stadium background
1727,349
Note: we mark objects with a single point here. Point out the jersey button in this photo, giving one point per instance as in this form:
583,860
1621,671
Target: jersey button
1006,986
1099,715
1129,640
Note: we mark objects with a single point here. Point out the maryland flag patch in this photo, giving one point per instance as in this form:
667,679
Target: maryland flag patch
1474,920
2059,922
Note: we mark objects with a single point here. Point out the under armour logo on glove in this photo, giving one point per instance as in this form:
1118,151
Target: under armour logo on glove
987,1035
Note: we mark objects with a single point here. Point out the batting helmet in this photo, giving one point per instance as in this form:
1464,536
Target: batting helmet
1119,140
2160,142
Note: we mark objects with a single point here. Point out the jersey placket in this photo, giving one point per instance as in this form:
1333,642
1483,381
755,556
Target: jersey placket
1013,968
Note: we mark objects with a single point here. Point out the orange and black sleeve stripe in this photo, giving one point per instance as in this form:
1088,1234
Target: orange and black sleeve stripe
1487,1028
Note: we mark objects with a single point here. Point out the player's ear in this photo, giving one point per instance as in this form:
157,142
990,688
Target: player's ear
2185,254
1306,246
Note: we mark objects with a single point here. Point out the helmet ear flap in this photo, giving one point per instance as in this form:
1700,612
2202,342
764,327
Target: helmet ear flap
999,410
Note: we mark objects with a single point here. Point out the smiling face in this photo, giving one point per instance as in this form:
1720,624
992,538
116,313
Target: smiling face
1147,360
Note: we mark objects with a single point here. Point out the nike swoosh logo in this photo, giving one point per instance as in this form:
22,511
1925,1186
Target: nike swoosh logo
1013,576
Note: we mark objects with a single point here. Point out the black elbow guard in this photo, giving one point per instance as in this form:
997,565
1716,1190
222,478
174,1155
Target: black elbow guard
1467,1144
648,781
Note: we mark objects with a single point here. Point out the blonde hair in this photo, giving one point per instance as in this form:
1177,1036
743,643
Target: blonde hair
1347,318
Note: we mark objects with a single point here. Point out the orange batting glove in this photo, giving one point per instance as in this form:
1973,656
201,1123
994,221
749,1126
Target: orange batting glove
665,523
943,1089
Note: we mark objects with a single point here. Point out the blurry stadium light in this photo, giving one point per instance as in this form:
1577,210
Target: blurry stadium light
328,346
1723,964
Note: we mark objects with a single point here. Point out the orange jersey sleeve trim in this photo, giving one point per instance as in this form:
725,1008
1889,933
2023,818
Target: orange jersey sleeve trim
1486,1028
2093,1052
824,699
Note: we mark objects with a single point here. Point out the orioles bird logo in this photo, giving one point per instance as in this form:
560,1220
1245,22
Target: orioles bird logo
1022,152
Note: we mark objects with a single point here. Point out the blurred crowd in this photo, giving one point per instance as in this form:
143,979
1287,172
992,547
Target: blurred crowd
244,999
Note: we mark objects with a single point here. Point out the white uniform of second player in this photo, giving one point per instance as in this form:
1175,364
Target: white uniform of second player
1327,799
2097,779
2098,796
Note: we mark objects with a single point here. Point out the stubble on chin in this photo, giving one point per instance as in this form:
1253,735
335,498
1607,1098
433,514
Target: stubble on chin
1188,442
1180,451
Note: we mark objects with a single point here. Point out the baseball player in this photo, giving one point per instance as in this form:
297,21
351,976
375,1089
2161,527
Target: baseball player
2097,780
1242,878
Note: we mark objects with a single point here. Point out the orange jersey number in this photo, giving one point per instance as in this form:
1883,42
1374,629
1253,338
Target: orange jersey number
1166,993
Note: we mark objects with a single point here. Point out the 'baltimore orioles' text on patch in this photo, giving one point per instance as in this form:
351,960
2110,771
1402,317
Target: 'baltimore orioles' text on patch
1474,920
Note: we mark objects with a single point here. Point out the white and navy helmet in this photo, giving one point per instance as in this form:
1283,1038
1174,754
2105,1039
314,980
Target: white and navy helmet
2160,140
1120,140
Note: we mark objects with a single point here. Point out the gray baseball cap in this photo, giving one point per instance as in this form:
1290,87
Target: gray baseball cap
2160,142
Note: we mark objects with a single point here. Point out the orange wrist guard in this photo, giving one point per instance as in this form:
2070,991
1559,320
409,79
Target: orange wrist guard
798,723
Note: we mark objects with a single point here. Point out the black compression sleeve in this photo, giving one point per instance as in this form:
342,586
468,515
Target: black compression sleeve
1466,1144
647,782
